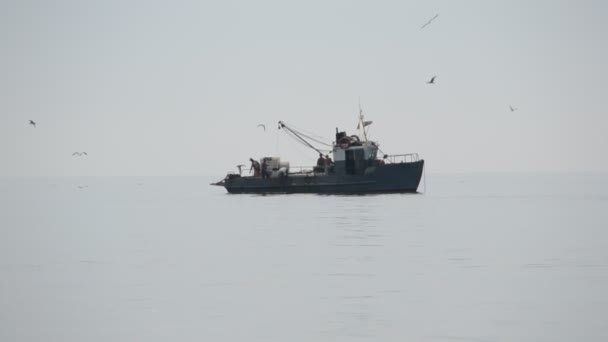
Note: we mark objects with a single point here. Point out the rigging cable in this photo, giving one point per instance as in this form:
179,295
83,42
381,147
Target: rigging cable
312,136
297,136
304,143
424,174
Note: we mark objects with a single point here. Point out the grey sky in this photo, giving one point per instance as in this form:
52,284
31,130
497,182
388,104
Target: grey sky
178,88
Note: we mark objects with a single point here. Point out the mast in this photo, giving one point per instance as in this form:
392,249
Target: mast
362,124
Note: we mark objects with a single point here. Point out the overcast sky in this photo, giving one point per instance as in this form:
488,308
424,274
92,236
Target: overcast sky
179,87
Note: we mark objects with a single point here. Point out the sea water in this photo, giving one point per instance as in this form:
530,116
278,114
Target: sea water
477,257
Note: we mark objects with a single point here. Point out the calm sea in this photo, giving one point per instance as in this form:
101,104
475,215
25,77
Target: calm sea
478,257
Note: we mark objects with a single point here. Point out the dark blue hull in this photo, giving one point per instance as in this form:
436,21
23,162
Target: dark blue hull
399,177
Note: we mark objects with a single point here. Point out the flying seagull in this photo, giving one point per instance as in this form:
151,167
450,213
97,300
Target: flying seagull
79,154
32,123
432,81
430,21
512,109
263,126
240,166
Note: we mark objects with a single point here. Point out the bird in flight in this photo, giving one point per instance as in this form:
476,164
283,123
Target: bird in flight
263,126
512,109
79,154
32,123
432,81
430,21
240,166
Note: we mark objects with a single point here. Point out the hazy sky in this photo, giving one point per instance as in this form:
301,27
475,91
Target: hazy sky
178,87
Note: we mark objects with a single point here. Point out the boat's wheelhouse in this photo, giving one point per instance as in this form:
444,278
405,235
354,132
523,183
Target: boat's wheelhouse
352,156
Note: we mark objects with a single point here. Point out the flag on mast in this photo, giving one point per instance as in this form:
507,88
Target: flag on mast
365,124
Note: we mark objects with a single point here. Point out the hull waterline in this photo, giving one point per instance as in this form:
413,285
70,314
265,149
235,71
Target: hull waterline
389,178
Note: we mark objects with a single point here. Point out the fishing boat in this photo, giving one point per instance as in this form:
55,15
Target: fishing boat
357,168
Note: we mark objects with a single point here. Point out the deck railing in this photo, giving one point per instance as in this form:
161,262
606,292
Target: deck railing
402,158
292,169
390,159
